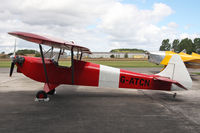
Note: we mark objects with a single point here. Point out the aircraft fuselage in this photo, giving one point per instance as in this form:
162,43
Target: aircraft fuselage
89,74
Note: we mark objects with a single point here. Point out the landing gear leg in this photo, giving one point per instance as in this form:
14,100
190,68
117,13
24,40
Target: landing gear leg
52,92
42,96
174,95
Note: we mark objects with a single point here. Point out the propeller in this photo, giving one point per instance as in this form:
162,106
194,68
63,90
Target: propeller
13,60
12,68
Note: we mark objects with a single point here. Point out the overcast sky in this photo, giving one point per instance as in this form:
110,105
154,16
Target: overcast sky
100,25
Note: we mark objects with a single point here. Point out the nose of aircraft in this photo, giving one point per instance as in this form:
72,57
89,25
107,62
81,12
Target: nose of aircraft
156,57
17,59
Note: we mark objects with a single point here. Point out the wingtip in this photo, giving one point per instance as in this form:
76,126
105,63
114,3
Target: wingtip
12,33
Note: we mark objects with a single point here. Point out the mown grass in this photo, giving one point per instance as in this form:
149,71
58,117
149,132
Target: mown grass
5,63
197,73
119,64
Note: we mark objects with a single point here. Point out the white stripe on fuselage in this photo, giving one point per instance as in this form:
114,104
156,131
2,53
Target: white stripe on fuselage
109,77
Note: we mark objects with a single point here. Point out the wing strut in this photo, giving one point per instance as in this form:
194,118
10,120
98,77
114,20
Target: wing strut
72,64
51,52
59,54
77,55
81,55
44,66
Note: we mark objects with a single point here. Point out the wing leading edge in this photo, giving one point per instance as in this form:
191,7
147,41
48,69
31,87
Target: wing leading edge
49,41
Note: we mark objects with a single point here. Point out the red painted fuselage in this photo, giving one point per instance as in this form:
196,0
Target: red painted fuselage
89,74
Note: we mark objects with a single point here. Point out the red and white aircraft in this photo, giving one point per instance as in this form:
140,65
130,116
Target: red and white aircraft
174,77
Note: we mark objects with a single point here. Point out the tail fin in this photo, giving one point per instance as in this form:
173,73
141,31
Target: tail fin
176,70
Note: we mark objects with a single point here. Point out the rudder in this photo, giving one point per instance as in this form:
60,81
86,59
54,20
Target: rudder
177,71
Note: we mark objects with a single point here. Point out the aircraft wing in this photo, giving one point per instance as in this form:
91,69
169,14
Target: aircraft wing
49,41
192,60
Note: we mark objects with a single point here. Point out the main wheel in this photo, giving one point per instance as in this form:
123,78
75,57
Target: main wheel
51,92
41,95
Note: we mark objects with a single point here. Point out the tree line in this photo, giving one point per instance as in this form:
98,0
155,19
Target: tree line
26,51
127,50
179,45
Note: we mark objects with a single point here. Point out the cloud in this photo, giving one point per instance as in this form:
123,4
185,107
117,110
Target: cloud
128,26
65,19
100,25
53,12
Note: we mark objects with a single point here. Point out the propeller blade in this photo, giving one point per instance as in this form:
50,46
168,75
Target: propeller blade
12,68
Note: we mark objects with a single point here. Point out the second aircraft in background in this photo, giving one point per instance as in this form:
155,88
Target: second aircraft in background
163,57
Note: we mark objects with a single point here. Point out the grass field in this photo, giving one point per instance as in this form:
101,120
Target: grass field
197,73
119,64
4,63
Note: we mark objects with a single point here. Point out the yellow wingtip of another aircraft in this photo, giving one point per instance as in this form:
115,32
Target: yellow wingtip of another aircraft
185,57
195,54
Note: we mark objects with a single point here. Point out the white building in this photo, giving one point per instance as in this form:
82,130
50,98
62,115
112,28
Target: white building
116,55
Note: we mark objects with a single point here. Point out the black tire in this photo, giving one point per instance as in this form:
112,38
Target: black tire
51,92
41,95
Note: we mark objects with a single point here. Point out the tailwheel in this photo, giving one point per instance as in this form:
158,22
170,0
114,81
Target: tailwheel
52,92
174,95
41,96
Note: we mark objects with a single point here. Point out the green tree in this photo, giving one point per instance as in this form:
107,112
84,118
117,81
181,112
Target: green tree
125,55
166,46
129,50
112,56
175,45
25,51
197,44
186,44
